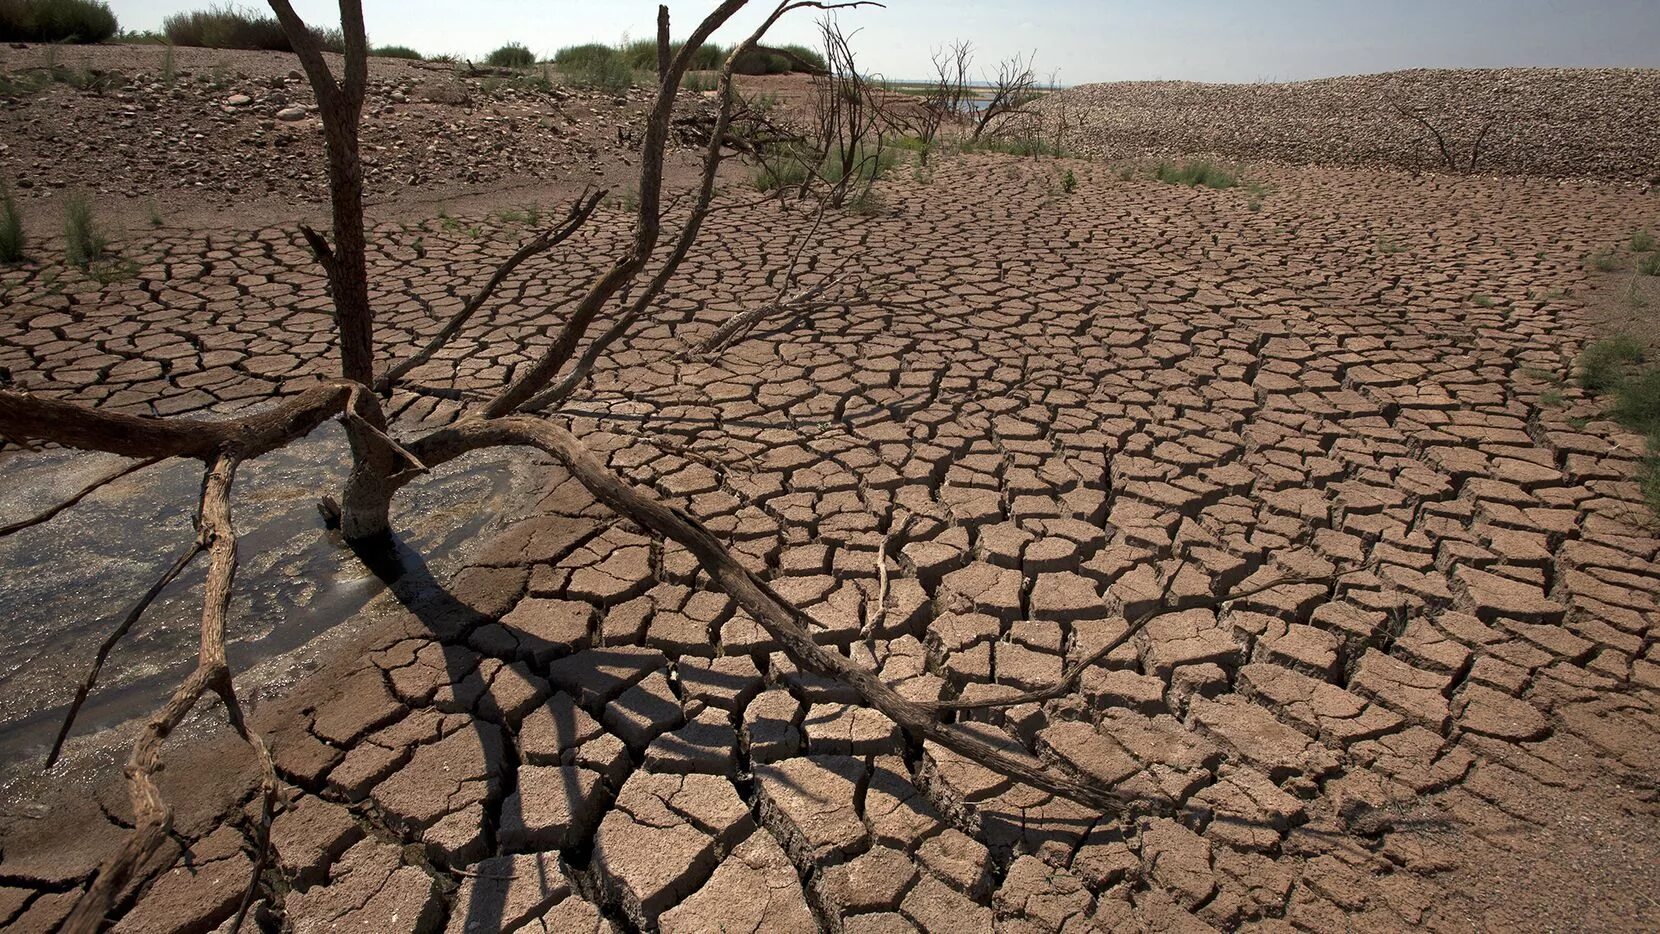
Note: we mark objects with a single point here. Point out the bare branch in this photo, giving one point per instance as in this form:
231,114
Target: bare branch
110,641
46,516
152,815
26,416
781,619
580,211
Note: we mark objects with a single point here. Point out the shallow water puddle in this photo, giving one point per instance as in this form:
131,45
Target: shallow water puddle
65,584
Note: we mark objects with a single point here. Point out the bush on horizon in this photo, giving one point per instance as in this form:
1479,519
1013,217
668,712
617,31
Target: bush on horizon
511,55
77,21
231,27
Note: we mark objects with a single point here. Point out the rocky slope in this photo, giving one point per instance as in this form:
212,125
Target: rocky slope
1554,122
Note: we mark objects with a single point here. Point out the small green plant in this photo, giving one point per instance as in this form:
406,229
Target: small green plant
1482,301
528,215
169,71
511,55
699,82
446,221
1578,422
627,199
1195,173
1389,246
396,51
868,204
155,213
1551,397
1603,261
1618,367
113,271
1642,242
1069,182
1603,364
84,242
1649,265
11,230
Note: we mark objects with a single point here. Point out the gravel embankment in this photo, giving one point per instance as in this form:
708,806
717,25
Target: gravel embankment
1602,123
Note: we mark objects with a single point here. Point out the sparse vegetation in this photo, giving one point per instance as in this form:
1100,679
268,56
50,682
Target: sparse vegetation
1028,146
1649,265
595,66
1643,242
1195,173
1069,182
1621,368
1389,246
1603,261
511,55
396,51
1603,365
83,21
83,241
231,27
11,230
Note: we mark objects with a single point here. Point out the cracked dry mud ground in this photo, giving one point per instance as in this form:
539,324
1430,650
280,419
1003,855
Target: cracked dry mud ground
1089,392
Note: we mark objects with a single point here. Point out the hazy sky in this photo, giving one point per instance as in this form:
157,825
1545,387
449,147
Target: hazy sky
1085,40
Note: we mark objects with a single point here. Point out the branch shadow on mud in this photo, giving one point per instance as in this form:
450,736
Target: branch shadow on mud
449,621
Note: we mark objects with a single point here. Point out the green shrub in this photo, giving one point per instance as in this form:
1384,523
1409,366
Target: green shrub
56,21
230,27
780,172
641,55
1642,242
600,67
84,242
11,230
1603,365
759,62
511,55
1195,173
396,51
1603,261
1616,367
813,57
1649,265
1069,182
699,81
579,56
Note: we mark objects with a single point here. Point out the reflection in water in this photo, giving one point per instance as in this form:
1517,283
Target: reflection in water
64,584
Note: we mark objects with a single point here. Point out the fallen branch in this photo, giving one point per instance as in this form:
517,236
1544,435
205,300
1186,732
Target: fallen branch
580,211
115,636
782,620
114,475
152,815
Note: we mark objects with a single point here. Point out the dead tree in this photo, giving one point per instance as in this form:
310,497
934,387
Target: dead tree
382,463
844,150
1014,87
942,103
1465,166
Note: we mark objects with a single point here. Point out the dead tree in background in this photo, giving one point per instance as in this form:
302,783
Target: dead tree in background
1014,87
382,464
1453,164
945,100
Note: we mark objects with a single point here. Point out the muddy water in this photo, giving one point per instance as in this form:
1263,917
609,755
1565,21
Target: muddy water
65,584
